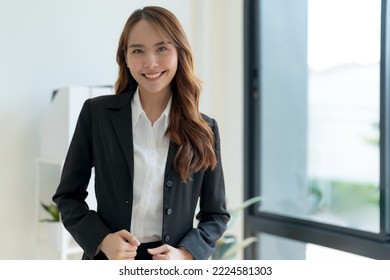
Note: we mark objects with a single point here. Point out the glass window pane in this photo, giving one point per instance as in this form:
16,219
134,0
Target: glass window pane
320,110
271,247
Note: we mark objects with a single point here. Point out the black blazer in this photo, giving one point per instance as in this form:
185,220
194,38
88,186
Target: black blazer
103,139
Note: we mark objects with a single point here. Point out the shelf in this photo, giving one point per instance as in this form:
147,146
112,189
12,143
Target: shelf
53,240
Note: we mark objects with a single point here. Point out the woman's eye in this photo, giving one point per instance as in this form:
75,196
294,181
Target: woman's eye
136,51
162,49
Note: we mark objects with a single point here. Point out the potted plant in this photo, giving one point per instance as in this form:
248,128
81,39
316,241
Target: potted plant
52,210
228,246
52,225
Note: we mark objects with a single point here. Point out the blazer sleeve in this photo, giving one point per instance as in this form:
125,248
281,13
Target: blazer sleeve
83,224
212,216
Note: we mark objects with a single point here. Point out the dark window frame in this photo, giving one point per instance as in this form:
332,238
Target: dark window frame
363,243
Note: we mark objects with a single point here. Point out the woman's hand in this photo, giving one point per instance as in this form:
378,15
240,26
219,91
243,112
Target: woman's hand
121,245
167,252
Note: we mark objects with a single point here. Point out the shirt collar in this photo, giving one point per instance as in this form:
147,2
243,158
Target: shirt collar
136,108
166,113
137,111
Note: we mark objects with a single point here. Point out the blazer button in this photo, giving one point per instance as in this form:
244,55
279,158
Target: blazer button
166,238
169,211
169,183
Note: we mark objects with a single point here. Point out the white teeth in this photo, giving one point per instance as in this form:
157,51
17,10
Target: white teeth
153,76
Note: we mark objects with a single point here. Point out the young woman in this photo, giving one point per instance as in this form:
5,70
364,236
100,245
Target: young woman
155,155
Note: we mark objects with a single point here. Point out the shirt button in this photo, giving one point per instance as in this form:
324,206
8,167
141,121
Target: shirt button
169,184
169,211
166,238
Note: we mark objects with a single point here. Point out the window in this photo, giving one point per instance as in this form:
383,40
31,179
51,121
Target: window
316,131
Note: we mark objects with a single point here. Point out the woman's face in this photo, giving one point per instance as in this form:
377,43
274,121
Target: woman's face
151,60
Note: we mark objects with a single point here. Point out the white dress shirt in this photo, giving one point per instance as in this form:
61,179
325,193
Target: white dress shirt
150,156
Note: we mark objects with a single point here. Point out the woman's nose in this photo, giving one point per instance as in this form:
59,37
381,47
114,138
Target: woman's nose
150,61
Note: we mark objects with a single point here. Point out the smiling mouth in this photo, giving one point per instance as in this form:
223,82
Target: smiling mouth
153,75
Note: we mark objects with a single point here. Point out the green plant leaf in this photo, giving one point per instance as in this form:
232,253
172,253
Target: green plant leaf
52,209
227,252
223,244
235,211
232,251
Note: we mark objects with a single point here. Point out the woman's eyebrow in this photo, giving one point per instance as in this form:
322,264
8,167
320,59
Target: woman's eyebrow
162,43
155,45
136,46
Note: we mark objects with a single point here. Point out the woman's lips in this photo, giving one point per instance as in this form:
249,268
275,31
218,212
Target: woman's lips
153,75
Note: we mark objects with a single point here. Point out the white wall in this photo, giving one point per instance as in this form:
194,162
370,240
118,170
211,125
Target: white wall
47,44
218,47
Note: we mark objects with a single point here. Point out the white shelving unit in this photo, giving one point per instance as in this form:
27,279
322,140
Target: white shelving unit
53,240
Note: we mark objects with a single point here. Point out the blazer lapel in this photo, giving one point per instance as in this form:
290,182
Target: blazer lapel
122,124
170,158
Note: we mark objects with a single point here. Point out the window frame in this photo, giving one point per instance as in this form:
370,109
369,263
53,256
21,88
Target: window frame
373,245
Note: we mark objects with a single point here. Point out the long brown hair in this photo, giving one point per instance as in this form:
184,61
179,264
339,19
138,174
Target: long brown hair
187,128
